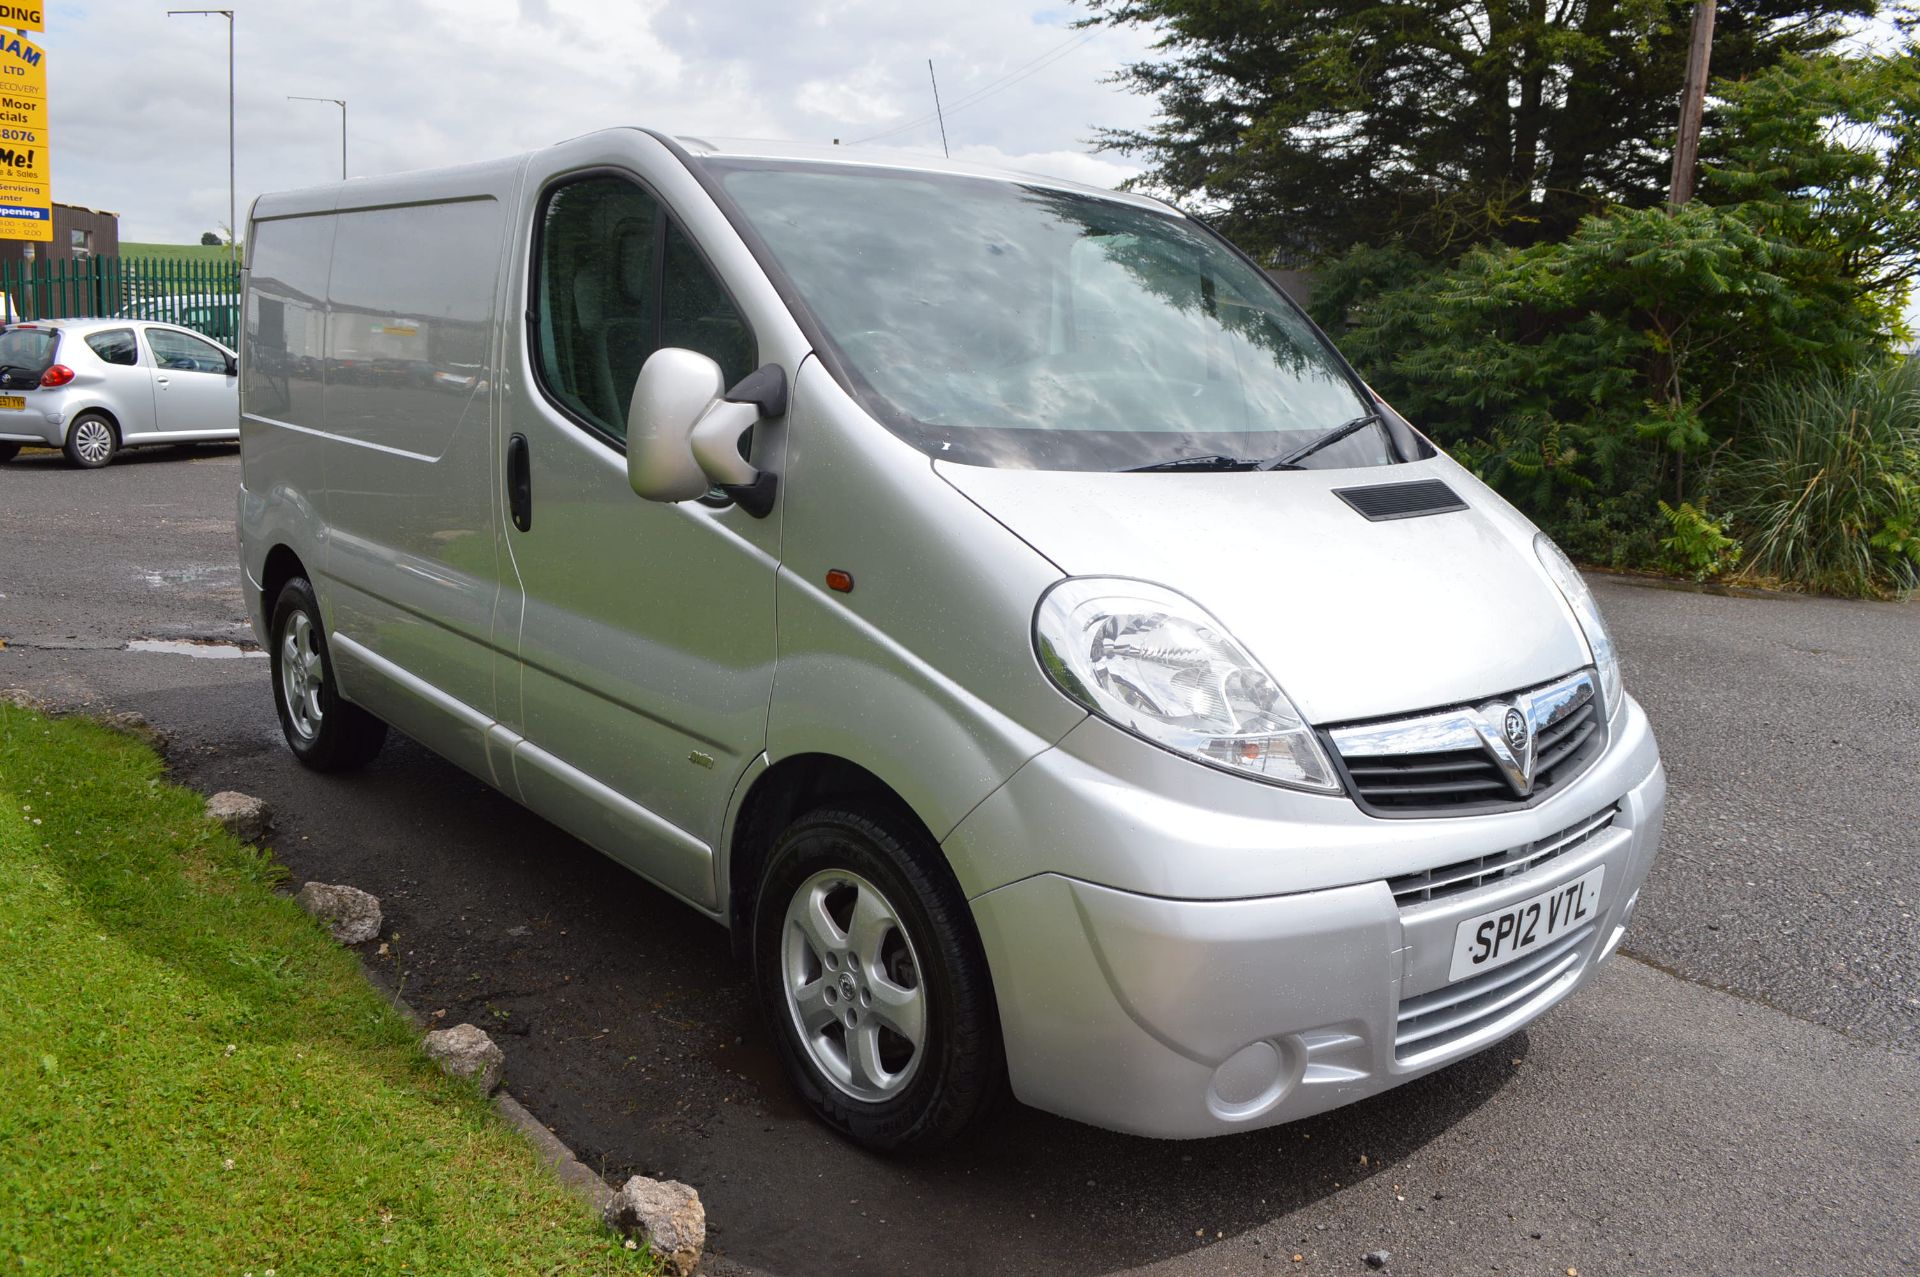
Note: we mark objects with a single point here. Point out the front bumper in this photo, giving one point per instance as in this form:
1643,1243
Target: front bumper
1181,1018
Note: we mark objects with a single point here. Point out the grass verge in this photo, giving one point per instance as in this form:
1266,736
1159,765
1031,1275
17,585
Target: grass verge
197,1080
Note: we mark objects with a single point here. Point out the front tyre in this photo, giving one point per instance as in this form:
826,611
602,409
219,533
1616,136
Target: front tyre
324,732
873,981
91,441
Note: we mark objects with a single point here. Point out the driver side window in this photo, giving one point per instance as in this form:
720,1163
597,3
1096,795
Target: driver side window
615,280
178,352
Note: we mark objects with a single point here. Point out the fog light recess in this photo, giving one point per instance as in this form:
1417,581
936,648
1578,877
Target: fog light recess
1255,1078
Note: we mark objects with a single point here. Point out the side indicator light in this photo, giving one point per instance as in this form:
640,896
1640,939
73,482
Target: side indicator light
841,582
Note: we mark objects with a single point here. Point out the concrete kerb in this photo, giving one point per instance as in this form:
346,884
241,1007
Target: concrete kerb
571,1171
1680,584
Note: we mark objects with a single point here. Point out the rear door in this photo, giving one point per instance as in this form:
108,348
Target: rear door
646,639
126,379
193,391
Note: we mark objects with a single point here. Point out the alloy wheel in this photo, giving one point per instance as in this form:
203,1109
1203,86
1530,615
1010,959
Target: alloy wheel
853,985
93,440
302,675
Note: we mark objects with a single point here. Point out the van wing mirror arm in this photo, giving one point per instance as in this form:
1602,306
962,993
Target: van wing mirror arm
765,389
755,498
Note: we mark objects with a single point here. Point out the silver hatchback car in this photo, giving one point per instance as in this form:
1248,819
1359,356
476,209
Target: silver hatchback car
91,387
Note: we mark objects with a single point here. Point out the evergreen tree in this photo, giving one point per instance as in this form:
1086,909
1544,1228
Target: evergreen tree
1307,126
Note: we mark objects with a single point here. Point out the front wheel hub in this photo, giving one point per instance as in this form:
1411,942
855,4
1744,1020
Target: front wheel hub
853,986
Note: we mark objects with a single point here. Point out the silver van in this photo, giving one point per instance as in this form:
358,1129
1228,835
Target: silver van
988,597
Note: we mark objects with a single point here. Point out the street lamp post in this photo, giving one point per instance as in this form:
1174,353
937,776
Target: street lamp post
232,202
342,104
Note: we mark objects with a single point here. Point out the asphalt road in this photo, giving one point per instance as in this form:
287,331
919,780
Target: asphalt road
1737,1097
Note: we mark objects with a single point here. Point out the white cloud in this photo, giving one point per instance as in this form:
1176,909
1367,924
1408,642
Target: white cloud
139,102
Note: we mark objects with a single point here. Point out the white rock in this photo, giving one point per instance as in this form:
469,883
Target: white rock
351,914
245,817
665,1214
466,1051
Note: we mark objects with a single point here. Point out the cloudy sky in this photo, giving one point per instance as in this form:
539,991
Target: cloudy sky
139,102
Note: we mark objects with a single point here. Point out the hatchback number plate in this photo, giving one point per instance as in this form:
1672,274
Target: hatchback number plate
16,402
1494,939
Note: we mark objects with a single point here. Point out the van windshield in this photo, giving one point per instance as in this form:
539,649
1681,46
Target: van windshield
1000,324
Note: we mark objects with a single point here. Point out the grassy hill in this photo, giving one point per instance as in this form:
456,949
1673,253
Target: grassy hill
175,252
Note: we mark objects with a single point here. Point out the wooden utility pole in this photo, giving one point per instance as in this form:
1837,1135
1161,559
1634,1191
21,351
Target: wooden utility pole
1693,103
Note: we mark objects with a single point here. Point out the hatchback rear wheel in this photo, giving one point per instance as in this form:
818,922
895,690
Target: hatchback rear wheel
8,451
91,441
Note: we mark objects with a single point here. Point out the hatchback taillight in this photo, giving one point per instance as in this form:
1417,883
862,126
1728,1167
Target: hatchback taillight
56,375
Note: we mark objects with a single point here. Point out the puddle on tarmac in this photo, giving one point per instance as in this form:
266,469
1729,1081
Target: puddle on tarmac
205,650
161,578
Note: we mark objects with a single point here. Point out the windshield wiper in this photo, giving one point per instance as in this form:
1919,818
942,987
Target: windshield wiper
1291,460
1203,461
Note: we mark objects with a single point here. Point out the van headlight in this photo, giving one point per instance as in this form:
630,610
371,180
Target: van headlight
1154,663
1587,612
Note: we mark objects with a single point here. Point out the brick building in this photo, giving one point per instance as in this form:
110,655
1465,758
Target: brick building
77,233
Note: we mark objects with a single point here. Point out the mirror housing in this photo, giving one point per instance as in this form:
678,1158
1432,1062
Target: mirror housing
684,428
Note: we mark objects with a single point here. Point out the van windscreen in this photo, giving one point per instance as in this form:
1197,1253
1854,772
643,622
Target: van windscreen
1001,324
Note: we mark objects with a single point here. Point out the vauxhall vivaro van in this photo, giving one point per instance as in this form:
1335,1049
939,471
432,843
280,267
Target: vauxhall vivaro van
988,597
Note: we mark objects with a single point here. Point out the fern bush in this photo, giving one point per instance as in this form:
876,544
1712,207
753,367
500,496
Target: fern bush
1696,546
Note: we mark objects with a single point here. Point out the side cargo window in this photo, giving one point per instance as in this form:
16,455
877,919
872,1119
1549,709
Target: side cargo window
615,280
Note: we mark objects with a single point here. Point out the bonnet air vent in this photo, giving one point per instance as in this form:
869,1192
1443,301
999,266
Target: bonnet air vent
1401,500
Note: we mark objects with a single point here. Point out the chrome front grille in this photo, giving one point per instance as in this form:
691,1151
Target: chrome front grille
1463,876
1435,1021
1465,760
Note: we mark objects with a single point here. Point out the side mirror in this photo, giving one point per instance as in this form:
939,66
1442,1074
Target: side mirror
233,366
684,428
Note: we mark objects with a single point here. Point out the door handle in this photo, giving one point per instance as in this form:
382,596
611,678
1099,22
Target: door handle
162,380
520,483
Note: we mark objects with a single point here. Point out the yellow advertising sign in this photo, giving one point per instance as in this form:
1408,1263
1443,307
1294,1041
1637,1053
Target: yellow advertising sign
26,169
23,67
29,16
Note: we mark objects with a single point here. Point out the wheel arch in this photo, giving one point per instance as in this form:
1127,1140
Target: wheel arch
95,410
782,792
281,566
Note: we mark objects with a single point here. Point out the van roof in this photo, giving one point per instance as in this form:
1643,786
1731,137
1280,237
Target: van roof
500,174
698,148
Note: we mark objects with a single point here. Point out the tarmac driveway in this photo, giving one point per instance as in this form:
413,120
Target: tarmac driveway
1736,1097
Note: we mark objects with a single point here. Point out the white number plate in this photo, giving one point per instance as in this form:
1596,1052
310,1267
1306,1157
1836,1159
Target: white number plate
1495,939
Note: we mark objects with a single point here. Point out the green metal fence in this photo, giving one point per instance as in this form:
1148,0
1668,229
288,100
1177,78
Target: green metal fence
203,296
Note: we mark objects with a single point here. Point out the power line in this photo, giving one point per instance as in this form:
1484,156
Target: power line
1025,70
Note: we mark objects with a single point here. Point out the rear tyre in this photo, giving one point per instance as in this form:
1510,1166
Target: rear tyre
91,441
324,732
873,981
8,451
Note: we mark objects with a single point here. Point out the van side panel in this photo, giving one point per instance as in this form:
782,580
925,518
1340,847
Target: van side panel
410,460
282,409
